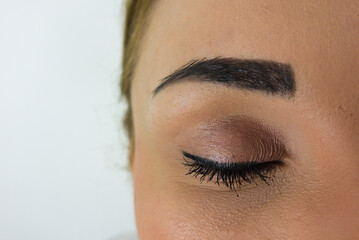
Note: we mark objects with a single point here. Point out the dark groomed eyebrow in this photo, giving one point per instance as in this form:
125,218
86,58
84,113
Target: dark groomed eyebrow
260,75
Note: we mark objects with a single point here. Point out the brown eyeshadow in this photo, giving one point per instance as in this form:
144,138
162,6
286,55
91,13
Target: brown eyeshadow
235,139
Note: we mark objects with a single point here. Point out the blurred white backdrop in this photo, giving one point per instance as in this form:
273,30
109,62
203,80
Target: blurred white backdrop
62,148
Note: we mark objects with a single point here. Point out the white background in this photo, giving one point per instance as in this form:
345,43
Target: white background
62,148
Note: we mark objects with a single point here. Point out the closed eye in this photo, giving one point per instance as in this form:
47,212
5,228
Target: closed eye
230,174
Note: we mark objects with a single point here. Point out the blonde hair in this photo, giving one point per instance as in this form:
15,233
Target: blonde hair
137,12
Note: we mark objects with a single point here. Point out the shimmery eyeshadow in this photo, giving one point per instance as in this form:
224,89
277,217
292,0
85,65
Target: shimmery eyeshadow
237,140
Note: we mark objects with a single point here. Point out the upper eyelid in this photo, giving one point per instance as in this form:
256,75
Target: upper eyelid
243,150
242,136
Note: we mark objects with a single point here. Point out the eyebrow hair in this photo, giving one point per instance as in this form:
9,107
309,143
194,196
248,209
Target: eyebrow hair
260,75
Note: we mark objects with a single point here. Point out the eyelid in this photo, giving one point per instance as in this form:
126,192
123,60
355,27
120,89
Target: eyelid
236,139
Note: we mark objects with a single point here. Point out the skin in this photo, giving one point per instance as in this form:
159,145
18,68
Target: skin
316,194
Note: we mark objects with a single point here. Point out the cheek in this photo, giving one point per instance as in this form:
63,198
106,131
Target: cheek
156,215
149,200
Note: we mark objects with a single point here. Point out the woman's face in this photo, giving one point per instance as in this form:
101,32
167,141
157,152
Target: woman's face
267,118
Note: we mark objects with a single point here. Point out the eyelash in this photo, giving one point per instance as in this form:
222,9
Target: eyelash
232,175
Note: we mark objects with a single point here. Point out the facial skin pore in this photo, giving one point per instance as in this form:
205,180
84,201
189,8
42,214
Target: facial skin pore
315,194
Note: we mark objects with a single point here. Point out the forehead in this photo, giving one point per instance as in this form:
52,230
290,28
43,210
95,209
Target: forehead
307,34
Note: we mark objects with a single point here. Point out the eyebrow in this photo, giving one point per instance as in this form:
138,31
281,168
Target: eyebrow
260,75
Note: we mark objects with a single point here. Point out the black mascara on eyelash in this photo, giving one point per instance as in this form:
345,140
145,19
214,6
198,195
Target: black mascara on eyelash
231,174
